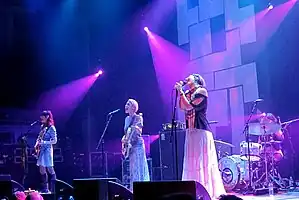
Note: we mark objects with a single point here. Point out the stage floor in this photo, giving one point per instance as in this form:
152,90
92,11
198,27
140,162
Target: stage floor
282,196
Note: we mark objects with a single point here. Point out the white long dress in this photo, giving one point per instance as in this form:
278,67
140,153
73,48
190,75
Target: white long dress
200,161
200,158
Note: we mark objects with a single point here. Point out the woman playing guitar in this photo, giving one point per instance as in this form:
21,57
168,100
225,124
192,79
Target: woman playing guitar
44,150
133,144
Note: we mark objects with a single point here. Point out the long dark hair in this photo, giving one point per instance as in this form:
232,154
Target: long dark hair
199,80
50,120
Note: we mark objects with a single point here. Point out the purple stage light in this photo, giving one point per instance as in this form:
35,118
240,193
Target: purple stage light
100,72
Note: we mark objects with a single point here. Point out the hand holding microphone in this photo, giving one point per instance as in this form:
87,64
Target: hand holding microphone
179,85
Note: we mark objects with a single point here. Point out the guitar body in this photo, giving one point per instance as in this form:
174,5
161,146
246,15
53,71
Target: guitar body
126,145
37,146
126,140
126,150
36,151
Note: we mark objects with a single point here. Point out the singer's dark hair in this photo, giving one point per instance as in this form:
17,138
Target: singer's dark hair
50,120
199,80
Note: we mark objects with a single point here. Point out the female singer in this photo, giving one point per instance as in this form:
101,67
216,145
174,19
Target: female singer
137,157
45,141
200,158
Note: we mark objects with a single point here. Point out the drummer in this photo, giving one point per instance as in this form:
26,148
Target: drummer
274,140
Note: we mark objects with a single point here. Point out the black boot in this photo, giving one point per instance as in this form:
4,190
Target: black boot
44,183
52,183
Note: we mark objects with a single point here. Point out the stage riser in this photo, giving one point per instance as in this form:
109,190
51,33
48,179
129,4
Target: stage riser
99,189
175,189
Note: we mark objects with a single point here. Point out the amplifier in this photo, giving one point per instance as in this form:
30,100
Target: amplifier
167,154
58,157
112,163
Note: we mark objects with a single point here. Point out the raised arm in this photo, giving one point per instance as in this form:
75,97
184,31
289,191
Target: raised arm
196,99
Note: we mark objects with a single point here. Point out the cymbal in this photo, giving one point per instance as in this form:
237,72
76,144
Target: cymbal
263,129
272,142
271,127
225,143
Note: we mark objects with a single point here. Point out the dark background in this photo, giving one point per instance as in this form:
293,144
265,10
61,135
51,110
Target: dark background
48,43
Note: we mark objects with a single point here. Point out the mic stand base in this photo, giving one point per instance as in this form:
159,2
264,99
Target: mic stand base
248,190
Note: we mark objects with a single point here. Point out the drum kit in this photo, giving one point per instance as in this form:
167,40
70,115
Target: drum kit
257,164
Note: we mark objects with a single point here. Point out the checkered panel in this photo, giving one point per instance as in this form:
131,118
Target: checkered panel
186,18
230,82
244,75
210,9
236,105
243,18
218,99
200,39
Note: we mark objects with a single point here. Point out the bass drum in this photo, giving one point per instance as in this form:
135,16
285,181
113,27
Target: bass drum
234,172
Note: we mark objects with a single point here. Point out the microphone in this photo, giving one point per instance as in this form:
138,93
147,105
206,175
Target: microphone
34,122
114,111
258,100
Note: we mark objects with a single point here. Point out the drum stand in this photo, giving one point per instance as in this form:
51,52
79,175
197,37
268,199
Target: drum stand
269,175
249,189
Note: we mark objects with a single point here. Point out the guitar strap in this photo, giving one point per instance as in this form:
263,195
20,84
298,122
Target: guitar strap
132,121
45,132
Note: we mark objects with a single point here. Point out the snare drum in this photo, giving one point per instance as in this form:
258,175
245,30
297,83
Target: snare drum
254,149
234,172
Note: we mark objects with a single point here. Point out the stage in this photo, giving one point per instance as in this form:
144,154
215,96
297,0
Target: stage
282,196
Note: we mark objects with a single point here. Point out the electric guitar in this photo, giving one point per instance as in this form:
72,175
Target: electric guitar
126,143
126,140
37,146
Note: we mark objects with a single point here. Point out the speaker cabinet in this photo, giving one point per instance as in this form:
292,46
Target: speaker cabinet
92,188
167,154
5,187
170,190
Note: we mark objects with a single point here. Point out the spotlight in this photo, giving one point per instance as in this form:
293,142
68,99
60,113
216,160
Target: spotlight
270,6
145,29
100,72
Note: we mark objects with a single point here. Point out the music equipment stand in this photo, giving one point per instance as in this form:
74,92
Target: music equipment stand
249,189
101,142
174,134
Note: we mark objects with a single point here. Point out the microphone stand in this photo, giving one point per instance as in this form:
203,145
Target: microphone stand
174,134
24,156
101,142
293,157
246,132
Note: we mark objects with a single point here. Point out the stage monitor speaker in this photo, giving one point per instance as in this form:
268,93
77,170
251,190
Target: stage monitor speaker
171,190
5,187
92,188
